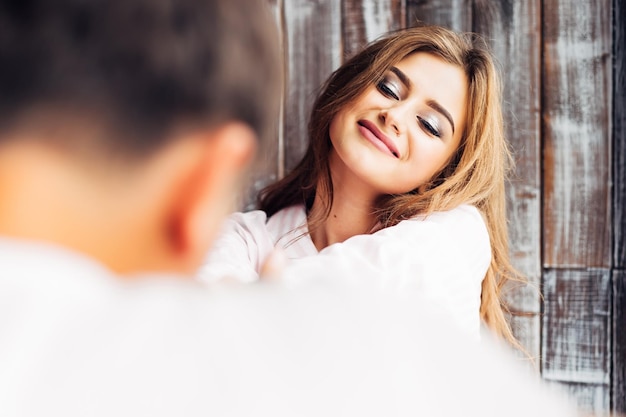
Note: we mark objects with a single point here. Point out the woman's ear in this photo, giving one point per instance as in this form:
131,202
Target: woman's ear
210,190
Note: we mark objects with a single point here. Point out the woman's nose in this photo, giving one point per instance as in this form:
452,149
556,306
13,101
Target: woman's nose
391,119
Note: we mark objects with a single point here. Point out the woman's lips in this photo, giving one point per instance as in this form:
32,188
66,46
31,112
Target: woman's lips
378,138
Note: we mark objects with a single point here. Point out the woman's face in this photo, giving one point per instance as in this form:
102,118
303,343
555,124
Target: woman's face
398,134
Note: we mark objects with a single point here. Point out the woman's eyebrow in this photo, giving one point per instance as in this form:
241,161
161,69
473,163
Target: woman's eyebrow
432,103
402,76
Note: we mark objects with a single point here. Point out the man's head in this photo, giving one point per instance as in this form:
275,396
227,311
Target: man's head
141,66
148,94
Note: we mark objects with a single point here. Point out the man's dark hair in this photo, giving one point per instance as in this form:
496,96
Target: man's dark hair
140,66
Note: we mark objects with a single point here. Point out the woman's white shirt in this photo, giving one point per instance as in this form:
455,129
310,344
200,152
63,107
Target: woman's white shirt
443,256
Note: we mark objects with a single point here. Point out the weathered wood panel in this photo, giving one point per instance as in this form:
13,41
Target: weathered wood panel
513,29
267,165
278,156
618,391
454,14
366,20
576,113
527,329
576,331
312,40
619,135
592,399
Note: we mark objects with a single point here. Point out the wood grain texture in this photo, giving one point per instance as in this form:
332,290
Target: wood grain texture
267,165
618,388
453,14
592,399
312,41
576,326
618,383
527,329
277,9
576,114
366,20
513,30
619,135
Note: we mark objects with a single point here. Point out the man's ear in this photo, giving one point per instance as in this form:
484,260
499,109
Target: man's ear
223,154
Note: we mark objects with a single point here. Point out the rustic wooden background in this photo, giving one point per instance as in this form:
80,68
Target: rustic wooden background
564,73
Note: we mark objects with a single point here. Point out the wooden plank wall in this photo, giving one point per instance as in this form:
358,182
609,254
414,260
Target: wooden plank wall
513,30
268,165
576,110
565,111
618,382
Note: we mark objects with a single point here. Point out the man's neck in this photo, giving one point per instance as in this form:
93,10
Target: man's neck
46,197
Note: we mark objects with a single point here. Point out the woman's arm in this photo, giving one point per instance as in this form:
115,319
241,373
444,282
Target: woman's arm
444,257
237,253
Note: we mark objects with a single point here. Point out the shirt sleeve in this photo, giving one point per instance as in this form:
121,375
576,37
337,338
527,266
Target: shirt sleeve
443,257
238,251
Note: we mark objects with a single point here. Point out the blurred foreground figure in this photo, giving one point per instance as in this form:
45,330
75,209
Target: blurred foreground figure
124,128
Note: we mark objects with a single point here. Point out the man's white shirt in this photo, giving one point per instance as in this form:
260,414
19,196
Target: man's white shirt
76,340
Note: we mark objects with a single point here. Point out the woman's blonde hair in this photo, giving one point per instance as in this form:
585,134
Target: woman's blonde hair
475,174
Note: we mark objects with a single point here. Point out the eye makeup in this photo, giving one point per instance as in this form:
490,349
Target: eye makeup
430,125
397,85
390,87
439,109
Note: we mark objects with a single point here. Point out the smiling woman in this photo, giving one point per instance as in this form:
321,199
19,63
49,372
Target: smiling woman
398,134
403,180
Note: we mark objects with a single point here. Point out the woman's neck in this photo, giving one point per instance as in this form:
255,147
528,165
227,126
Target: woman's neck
351,214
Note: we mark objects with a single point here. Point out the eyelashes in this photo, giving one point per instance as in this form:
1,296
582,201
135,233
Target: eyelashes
429,127
390,90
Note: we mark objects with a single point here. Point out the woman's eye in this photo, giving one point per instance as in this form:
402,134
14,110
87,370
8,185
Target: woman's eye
429,127
387,89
